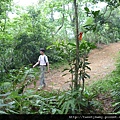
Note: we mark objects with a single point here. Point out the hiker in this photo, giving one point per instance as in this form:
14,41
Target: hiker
43,62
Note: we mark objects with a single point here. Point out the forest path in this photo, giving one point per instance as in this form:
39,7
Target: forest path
102,63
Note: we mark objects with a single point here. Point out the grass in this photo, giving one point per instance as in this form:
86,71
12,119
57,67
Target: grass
58,65
102,85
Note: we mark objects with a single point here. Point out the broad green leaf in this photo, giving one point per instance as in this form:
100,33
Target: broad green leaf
89,21
117,103
66,107
4,105
11,111
87,76
87,63
2,112
72,44
54,110
95,13
6,94
88,67
6,84
87,9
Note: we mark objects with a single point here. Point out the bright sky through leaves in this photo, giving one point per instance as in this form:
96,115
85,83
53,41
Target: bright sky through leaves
25,2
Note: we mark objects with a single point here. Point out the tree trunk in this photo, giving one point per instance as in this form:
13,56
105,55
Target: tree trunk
77,46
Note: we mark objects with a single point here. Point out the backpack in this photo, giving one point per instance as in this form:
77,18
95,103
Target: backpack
45,60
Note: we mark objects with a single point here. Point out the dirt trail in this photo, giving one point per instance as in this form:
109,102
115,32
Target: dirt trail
102,63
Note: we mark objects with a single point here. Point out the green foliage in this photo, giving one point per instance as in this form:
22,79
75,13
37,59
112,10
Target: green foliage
118,64
98,23
31,45
33,102
116,90
111,3
67,51
16,99
18,79
4,7
72,102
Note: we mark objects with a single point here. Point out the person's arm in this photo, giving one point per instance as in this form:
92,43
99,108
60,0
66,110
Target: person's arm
36,64
47,62
48,66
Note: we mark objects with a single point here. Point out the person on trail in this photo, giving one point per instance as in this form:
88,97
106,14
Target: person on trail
43,62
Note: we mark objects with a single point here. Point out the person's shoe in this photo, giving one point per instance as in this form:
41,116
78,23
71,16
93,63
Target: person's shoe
40,87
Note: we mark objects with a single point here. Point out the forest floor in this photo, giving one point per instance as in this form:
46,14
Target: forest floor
102,64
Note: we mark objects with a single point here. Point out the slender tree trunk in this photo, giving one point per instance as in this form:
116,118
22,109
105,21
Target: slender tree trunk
77,45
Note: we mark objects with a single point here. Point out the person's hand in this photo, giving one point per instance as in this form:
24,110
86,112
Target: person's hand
33,66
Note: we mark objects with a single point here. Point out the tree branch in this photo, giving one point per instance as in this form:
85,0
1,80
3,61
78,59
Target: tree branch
105,10
109,15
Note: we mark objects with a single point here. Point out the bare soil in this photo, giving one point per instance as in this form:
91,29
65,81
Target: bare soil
102,63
